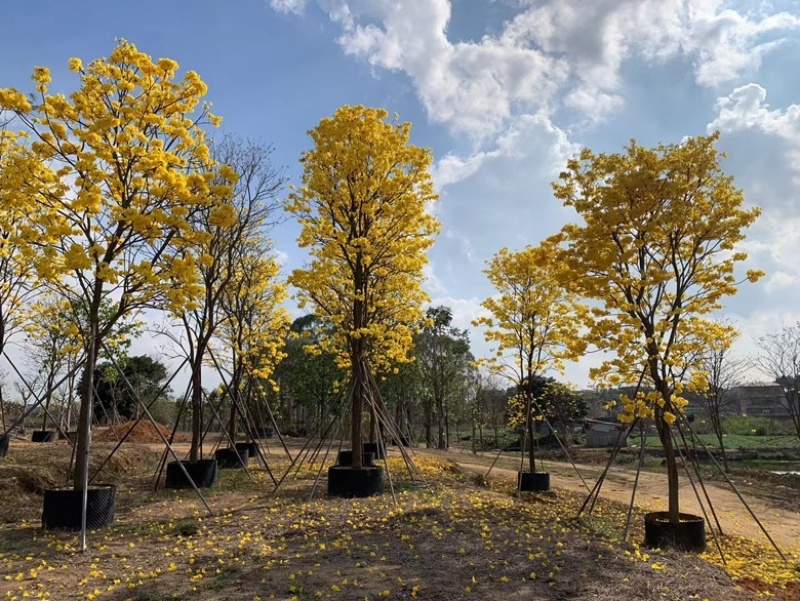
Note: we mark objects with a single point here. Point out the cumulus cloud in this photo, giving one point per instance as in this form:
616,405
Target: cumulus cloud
767,147
552,53
465,311
746,108
288,6
514,100
471,87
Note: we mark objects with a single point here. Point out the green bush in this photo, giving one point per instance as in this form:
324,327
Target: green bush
702,426
745,425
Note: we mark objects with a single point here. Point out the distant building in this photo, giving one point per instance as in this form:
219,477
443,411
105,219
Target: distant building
605,434
761,399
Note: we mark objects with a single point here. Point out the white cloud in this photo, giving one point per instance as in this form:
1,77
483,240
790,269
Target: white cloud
745,113
451,168
465,311
471,87
779,281
551,52
503,97
746,108
432,284
525,136
288,6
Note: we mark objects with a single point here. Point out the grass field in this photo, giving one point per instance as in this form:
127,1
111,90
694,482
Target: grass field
737,441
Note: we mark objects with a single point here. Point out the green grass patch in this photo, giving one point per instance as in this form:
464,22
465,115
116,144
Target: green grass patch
738,441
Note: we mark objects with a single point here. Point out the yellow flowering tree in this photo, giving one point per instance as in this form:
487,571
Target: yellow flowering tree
533,321
17,275
231,229
254,328
362,208
656,251
131,166
56,332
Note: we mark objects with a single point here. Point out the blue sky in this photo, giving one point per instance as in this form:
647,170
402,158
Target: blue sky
502,91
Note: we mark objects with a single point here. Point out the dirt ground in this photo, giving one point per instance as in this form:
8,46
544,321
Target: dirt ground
767,499
461,537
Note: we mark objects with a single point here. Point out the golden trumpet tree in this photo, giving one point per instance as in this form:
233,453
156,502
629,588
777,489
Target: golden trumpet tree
656,251
17,275
254,326
533,321
232,230
362,208
127,166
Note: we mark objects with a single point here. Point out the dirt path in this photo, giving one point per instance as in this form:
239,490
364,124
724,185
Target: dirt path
782,525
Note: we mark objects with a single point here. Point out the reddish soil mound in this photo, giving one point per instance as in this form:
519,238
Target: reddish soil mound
143,432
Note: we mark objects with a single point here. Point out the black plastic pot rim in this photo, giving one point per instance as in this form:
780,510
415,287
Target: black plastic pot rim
662,517
90,487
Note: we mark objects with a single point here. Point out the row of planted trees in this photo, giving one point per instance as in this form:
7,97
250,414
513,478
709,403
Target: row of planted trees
115,195
651,257
115,201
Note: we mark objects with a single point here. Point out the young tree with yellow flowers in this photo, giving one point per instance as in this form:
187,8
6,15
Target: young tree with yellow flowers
127,167
362,208
656,251
533,321
17,275
254,329
230,235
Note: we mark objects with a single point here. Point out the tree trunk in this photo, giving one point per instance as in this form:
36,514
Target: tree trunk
473,437
447,426
87,386
428,429
197,413
665,435
531,446
373,425
232,427
716,424
440,424
360,383
2,411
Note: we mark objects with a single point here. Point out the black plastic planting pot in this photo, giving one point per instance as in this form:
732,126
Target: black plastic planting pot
203,473
533,481
63,507
43,436
262,432
345,458
70,436
377,449
348,482
250,447
4,440
688,534
228,458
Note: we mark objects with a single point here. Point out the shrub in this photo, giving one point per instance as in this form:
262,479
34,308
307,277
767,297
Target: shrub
746,425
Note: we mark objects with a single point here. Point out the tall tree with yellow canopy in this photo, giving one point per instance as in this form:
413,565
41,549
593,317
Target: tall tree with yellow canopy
362,208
